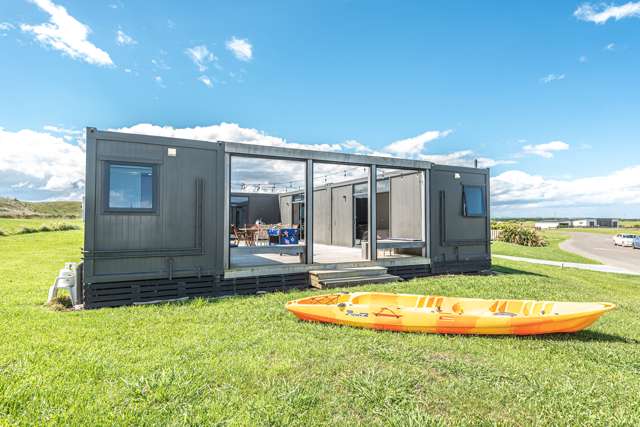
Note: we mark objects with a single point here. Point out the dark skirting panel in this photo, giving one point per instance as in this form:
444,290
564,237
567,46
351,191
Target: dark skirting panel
98,295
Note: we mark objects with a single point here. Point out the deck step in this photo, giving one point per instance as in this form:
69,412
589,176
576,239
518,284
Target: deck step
348,272
353,281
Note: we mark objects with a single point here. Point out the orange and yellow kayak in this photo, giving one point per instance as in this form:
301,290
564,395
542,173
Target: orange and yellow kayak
448,315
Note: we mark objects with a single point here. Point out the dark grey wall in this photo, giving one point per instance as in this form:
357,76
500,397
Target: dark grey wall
261,206
181,238
406,208
342,215
286,209
382,211
322,216
457,240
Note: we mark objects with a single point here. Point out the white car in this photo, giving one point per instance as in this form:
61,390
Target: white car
624,240
636,242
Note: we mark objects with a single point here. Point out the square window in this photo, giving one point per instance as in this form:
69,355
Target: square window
473,200
131,187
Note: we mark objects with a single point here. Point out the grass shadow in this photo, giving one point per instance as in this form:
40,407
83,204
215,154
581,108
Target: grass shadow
583,336
499,269
587,336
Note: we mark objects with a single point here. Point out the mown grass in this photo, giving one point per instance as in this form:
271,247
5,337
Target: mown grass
246,361
551,252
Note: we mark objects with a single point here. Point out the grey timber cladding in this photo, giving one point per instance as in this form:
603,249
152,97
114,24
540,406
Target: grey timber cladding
260,206
406,206
457,240
286,209
322,216
342,215
181,237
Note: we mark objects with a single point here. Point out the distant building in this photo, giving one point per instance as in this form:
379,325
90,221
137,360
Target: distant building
545,225
607,222
577,223
589,222
595,222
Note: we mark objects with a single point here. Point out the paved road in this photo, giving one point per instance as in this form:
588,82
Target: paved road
600,247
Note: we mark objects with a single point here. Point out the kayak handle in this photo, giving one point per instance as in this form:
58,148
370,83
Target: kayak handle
390,313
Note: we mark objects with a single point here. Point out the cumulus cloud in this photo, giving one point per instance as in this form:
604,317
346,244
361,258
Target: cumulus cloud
230,132
414,145
518,189
552,77
61,130
40,165
464,158
545,150
124,39
50,163
206,81
200,56
241,48
65,33
4,27
610,46
601,13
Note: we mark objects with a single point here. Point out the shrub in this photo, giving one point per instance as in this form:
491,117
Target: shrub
64,226
521,235
3,233
44,227
61,303
27,230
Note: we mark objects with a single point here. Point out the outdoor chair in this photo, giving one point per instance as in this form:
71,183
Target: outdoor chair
262,235
237,234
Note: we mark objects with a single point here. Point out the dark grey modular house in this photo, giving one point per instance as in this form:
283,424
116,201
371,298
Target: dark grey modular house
158,215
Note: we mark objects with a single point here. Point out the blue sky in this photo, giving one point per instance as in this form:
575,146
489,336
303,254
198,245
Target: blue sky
545,93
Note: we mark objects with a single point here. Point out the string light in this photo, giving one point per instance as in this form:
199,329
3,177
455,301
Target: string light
298,184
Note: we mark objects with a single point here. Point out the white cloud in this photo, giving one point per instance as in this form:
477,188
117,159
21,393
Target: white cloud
610,46
241,48
602,12
414,145
65,33
583,59
464,158
552,77
206,81
124,39
6,26
159,81
545,150
230,132
50,163
58,129
40,165
159,64
517,189
200,56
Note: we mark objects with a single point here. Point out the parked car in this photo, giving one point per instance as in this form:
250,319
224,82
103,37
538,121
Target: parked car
624,239
636,242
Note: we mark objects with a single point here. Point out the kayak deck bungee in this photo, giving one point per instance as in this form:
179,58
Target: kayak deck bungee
448,315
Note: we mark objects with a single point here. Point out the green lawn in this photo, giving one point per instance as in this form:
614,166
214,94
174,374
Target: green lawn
246,361
12,225
552,252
